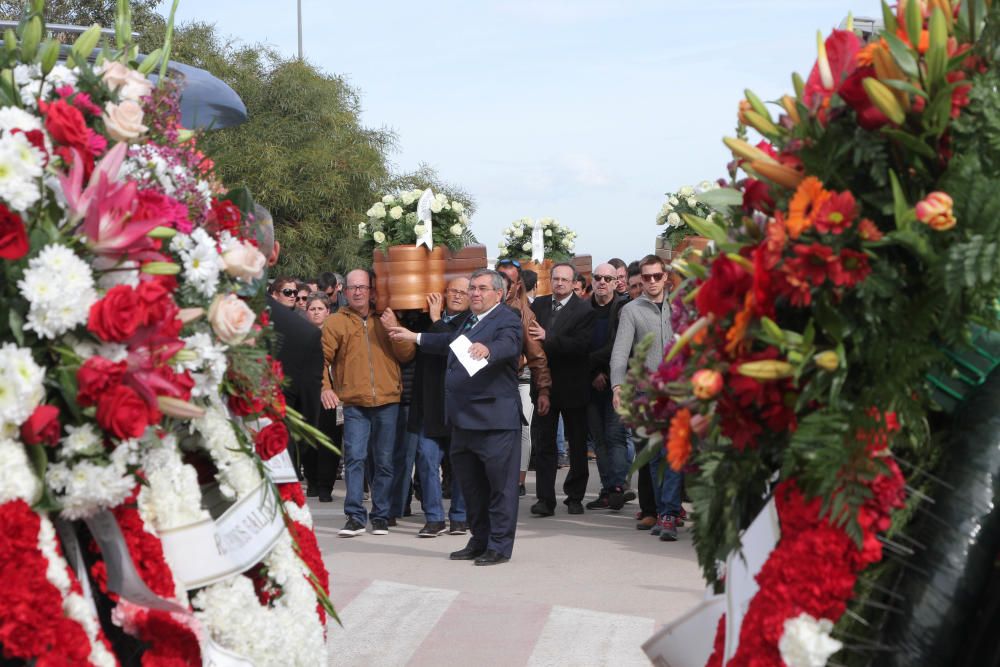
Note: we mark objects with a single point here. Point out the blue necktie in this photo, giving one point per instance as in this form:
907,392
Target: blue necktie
469,323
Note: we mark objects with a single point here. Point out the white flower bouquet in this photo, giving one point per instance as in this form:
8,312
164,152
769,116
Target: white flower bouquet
558,240
685,200
394,221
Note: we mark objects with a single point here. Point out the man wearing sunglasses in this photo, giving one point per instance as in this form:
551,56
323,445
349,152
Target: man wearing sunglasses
649,314
606,427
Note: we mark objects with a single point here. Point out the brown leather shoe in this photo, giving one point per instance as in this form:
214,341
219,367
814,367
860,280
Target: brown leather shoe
646,523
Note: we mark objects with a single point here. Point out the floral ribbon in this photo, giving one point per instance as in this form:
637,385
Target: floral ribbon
424,215
538,242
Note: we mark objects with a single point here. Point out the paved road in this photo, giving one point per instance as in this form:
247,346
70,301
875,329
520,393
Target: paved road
579,591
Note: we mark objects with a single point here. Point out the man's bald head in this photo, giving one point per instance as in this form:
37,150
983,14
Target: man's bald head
605,280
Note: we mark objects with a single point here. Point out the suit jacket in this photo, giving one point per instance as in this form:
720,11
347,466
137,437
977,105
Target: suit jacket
427,406
567,346
488,400
300,351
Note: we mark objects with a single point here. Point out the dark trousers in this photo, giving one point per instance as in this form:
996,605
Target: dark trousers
547,457
319,463
486,465
647,499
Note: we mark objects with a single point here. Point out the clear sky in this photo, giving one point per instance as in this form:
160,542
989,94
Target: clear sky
583,110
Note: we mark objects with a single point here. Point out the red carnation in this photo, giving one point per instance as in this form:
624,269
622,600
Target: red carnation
271,440
13,236
117,316
96,377
122,413
42,427
725,289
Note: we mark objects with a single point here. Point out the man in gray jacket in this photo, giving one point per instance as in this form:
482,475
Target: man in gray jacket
649,314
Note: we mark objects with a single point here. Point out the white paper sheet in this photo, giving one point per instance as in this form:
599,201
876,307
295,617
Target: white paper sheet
460,346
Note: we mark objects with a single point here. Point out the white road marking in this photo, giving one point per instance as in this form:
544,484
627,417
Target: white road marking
582,638
386,623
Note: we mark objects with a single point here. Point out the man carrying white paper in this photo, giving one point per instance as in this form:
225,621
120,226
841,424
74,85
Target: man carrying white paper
483,409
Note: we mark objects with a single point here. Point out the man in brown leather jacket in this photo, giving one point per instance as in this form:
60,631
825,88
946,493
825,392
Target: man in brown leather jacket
534,369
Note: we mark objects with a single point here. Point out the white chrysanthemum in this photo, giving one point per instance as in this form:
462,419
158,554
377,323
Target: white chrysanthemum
20,168
806,641
112,272
86,487
21,389
238,475
181,243
208,365
171,498
17,478
14,118
287,633
299,514
59,288
82,440
202,263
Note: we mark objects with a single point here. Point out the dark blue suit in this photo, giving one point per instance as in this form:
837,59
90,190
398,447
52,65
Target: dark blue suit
484,413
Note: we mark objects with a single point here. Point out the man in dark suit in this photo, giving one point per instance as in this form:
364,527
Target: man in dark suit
564,326
484,413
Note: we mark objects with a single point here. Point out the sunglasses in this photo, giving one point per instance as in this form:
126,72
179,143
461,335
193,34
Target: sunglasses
289,292
505,262
301,298
652,277
605,279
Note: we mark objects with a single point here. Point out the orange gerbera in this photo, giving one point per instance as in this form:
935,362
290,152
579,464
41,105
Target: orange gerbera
679,439
809,196
866,56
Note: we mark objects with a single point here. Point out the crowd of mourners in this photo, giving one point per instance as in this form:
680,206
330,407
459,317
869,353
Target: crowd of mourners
380,395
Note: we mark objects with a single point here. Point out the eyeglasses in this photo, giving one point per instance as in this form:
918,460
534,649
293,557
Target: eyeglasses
604,279
301,298
485,288
456,292
652,277
505,262
289,292
358,288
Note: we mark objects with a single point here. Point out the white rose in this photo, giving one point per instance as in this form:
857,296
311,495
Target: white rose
419,228
463,220
674,220
244,262
362,228
692,202
546,222
456,230
548,232
526,247
527,222
508,232
502,245
408,198
673,201
503,250
667,208
136,87
396,213
570,245
379,237
436,206
123,121
457,207
388,199
231,319
377,211
686,191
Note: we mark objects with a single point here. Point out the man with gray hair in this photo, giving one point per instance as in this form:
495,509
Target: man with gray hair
483,409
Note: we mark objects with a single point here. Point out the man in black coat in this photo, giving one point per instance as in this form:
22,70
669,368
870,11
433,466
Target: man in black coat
484,413
564,326
426,416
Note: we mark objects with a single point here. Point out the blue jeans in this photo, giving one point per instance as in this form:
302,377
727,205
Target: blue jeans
667,490
430,452
561,438
365,428
609,435
403,454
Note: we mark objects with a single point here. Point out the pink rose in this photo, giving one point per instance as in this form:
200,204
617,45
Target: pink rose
244,262
231,319
130,84
124,121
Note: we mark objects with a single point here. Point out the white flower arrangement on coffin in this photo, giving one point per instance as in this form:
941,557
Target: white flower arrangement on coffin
558,240
394,221
677,204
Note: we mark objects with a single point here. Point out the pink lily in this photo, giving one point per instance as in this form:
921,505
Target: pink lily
106,206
